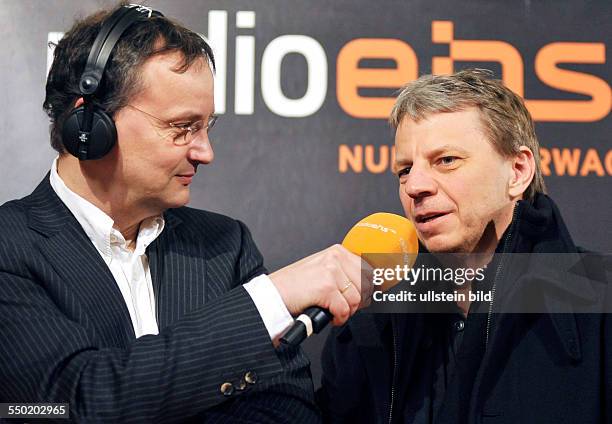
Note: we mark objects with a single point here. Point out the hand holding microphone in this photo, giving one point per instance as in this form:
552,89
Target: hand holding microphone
328,285
330,278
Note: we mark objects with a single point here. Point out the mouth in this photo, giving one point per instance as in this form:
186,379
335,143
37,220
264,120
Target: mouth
185,179
429,217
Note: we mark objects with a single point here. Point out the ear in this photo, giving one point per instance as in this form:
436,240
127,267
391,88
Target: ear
79,102
523,170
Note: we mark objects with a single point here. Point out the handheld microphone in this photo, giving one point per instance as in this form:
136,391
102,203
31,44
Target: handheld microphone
392,236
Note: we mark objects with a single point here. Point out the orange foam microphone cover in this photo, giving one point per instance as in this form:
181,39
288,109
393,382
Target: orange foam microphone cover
384,240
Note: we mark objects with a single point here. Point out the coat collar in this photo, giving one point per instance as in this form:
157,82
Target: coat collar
549,258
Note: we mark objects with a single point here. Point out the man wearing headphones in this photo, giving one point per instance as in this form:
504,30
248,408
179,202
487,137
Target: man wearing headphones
116,298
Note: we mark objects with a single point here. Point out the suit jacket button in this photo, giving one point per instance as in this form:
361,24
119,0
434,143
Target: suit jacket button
227,389
250,377
242,385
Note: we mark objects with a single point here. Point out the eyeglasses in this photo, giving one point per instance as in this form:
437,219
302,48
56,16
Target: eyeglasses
181,134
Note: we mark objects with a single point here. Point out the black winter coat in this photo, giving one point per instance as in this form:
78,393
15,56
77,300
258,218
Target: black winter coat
537,368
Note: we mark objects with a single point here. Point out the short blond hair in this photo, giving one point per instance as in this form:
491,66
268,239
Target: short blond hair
507,123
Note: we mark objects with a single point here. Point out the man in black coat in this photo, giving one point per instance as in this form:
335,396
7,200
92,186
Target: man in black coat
117,299
540,349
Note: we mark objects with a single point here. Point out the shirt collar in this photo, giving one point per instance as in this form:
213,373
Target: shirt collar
98,225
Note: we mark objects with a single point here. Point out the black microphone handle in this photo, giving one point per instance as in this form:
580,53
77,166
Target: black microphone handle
319,318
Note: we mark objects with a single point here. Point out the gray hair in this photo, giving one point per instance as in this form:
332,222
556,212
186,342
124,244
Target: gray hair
506,121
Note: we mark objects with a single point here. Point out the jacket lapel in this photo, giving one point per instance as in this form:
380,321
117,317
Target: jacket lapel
79,265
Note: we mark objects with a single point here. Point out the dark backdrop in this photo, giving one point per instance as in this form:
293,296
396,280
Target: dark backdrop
281,143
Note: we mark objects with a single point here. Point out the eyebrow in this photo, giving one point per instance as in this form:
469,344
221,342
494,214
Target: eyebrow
445,148
188,117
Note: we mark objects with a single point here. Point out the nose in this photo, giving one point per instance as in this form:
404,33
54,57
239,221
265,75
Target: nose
200,150
420,184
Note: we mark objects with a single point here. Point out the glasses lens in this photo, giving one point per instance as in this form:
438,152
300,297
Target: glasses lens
190,133
183,139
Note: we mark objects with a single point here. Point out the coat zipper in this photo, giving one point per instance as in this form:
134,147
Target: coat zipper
493,289
394,374
498,274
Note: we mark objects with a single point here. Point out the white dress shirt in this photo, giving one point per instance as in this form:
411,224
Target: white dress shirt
131,269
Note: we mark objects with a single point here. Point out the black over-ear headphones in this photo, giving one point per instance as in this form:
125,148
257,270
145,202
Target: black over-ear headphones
89,132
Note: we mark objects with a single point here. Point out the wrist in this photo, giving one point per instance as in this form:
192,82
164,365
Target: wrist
281,286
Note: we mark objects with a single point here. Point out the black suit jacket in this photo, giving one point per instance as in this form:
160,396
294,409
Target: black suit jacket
66,334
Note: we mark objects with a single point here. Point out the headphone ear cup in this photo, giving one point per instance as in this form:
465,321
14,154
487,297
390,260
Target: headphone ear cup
101,139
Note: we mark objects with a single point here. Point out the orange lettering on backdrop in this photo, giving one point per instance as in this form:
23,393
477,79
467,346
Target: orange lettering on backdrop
592,163
545,161
546,69
566,160
350,77
493,51
478,51
608,162
352,158
383,163
442,32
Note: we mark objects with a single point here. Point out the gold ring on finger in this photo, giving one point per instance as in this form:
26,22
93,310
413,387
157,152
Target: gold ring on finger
348,286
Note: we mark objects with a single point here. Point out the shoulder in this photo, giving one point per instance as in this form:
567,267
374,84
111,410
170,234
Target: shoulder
17,240
24,219
12,211
14,221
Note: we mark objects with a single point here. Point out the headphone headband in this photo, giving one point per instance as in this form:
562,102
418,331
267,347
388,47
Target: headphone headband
110,33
